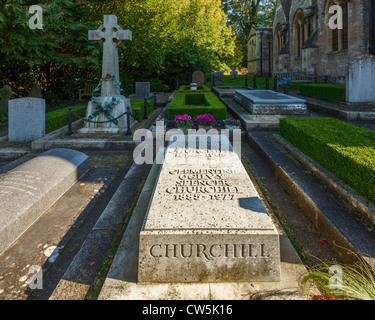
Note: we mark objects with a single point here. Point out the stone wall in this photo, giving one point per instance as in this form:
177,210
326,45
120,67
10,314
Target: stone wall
316,55
258,51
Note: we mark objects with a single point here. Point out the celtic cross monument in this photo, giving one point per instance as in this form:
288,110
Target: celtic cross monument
111,104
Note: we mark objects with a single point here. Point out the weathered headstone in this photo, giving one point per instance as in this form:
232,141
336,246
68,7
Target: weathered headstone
360,80
36,92
111,104
27,191
142,90
26,119
270,102
198,78
206,221
219,77
234,73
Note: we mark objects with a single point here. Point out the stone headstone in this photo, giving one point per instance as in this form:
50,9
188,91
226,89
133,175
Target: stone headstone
198,78
219,77
270,102
360,80
26,119
36,92
142,90
206,221
234,73
27,191
97,111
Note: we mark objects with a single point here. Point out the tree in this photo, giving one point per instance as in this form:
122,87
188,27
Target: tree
171,37
242,15
53,57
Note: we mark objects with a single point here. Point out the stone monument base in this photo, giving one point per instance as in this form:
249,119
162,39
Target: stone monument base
270,102
206,222
107,127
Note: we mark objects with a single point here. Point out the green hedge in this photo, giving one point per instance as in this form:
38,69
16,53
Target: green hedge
212,105
333,92
59,118
138,106
345,150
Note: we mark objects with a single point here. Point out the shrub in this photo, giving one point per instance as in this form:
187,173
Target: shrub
344,149
195,99
59,118
325,91
212,106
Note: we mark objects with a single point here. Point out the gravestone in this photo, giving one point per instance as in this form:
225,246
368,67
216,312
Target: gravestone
360,80
105,110
234,73
206,221
36,92
27,191
219,77
26,119
270,102
142,90
198,78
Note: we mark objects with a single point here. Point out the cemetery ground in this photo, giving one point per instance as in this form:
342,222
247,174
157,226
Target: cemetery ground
77,239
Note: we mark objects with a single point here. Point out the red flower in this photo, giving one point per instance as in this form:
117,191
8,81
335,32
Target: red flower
108,75
326,297
322,241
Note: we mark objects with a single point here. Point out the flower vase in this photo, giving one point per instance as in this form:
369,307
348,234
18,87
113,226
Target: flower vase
231,127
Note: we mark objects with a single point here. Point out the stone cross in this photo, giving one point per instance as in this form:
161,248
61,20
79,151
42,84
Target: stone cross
110,35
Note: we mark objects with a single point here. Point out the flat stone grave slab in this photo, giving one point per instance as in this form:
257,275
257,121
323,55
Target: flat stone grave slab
270,102
206,221
28,190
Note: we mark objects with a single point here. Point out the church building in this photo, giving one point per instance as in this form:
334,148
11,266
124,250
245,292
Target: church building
304,40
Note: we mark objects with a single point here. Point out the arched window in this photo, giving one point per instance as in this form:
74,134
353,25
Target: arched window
338,36
299,33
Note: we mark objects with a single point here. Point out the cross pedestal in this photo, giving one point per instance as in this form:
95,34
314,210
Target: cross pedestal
110,35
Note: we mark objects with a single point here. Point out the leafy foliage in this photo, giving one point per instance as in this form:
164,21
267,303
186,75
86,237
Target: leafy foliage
242,15
170,38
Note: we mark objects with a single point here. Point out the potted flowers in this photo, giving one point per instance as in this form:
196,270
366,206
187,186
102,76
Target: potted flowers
205,121
232,123
285,83
184,121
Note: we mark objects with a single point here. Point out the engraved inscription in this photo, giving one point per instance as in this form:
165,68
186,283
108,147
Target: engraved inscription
202,184
208,252
19,181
